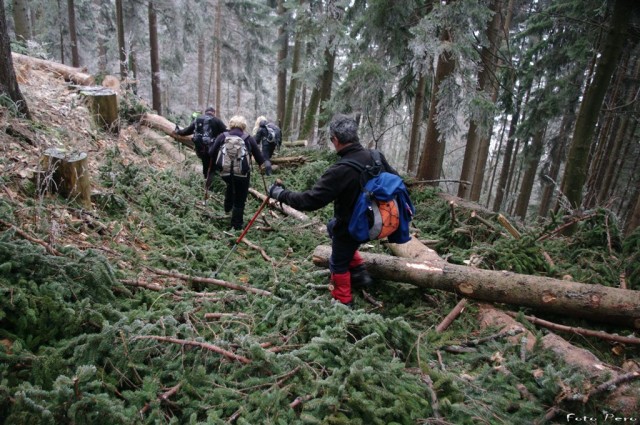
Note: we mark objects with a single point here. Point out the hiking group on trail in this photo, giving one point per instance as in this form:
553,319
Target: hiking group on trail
370,199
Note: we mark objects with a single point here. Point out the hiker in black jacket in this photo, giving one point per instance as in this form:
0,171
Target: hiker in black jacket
340,184
238,180
205,128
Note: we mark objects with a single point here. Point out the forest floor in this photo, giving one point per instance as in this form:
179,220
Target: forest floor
111,314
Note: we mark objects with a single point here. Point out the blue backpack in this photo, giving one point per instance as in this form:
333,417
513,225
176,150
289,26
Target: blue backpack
383,208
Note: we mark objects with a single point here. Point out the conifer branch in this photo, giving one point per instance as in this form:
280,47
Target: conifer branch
205,345
211,281
51,250
579,331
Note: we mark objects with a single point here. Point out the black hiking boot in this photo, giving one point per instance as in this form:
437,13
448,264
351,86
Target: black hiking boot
360,278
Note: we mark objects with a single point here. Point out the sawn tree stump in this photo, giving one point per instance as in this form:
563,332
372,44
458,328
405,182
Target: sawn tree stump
103,103
66,173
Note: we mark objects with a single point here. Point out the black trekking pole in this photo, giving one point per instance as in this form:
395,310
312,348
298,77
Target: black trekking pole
244,232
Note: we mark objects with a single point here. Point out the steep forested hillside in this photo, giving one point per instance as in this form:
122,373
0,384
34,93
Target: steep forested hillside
110,313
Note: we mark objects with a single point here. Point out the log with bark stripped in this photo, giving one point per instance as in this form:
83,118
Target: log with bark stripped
69,73
158,122
593,302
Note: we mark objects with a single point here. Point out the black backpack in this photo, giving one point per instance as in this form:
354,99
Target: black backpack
274,134
202,134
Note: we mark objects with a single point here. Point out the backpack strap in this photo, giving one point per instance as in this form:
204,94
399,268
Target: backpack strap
374,168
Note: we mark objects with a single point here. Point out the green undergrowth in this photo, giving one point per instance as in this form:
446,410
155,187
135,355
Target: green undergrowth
82,345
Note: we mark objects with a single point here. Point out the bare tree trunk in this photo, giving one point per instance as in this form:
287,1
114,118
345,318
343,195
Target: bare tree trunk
283,39
73,34
633,222
325,88
8,81
201,62
578,159
21,20
293,85
614,156
475,154
531,158
593,302
414,136
219,57
156,102
430,166
122,48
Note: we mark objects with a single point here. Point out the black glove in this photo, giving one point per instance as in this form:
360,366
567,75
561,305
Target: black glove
267,167
275,191
177,128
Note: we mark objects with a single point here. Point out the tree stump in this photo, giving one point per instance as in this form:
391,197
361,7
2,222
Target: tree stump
66,173
103,103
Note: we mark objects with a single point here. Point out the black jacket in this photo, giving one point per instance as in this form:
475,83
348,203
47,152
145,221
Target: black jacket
217,127
249,142
339,184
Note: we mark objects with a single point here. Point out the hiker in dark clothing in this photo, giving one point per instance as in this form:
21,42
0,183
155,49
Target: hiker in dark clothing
268,136
341,185
238,179
205,128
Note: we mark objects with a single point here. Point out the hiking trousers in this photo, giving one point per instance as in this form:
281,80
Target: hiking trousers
235,198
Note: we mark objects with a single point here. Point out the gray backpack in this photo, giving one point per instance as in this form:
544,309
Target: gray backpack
233,158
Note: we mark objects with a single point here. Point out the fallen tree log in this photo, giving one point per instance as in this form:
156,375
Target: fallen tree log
623,398
593,302
160,123
289,160
69,73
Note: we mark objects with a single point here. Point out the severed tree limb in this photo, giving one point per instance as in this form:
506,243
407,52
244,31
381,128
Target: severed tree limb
570,223
580,331
51,250
453,314
372,300
135,282
211,281
613,384
299,400
158,122
216,316
162,397
204,345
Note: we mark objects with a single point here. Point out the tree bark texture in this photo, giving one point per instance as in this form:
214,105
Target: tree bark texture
8,81
73,34
158,122
477,149
430,165
593,302
21,21
67,174
414,136
293,85
69,73
156,100
122,48
281,79
531,160
578,160
103,103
